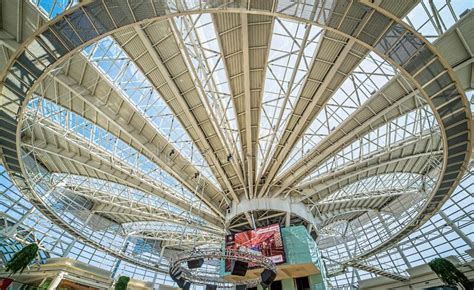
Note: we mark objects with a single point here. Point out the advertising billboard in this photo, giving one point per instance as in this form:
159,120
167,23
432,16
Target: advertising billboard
266,240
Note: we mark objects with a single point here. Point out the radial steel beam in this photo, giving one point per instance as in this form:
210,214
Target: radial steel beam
115,204
298,123
100,160
210,145
406,157
245,61
390,102
144,138
365,195
248,146
352,128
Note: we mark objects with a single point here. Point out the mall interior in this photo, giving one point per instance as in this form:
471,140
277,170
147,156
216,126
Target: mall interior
236,144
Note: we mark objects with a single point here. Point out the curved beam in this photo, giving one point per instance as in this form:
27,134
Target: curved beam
115,204
246,79
391,101
342,215
366,195
125,122
79,151
328,72
180,235
174,81
355,126
287,205
407,157
180,240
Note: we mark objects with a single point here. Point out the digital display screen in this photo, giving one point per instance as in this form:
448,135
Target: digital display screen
266,240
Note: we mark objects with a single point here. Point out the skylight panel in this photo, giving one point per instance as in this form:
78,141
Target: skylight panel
411,125
74,182
470,97
51,8
291,51
115,147
317,11
370,75
200,41
113,62
380,183
433,18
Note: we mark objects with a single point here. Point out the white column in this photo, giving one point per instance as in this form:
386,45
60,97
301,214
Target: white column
457,230
55,283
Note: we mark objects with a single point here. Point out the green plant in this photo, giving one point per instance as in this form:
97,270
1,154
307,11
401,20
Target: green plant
448,273
22,259
122,283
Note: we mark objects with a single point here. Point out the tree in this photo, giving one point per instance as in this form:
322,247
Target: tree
448,273
122,283
22,259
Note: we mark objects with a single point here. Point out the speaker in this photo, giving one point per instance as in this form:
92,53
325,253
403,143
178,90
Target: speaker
211,287
194,264
175,271
239,268
241,287
186,286
182,283
175,274
267,278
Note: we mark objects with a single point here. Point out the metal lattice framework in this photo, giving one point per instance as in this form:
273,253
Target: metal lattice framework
217,254
117,114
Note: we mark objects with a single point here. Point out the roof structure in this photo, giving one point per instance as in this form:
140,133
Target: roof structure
159,124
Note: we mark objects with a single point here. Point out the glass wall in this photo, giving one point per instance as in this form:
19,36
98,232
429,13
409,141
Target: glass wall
448,233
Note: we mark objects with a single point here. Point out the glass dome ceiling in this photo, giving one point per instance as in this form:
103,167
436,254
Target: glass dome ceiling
152,131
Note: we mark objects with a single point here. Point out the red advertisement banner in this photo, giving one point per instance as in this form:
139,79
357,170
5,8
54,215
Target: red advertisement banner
266,240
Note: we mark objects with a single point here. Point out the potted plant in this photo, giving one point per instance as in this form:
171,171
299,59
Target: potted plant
122,283
19,262
22,259
448,273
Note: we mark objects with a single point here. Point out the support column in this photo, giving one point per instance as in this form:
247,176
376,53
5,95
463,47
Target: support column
350,257
162,252
155,277
119,260
12,230
69,247
55,283
404,258
455,228
400,251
